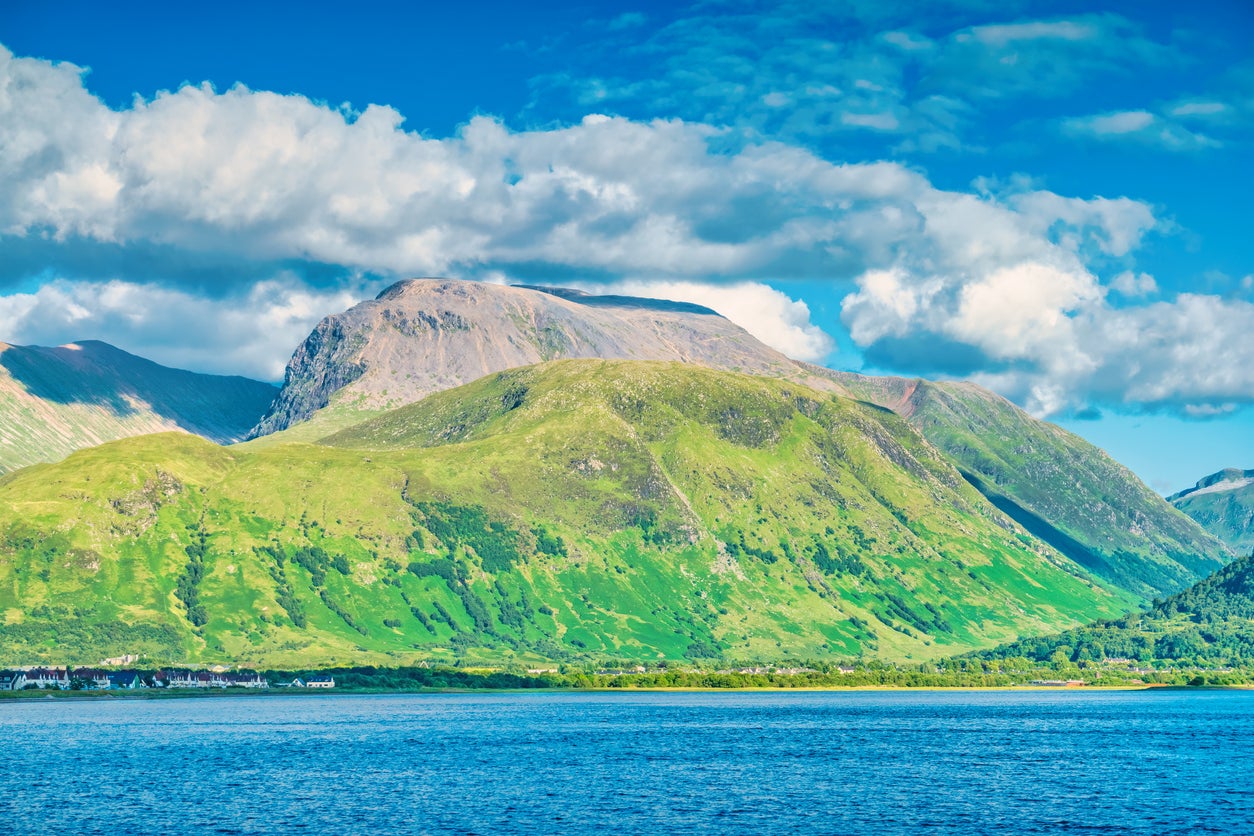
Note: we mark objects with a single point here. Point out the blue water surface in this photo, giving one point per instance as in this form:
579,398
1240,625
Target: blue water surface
762,763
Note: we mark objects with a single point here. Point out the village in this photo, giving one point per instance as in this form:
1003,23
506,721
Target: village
106,679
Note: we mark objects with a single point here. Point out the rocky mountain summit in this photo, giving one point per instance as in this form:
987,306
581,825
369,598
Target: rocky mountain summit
426,335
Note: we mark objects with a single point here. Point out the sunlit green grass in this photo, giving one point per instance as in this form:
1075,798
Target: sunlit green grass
651,475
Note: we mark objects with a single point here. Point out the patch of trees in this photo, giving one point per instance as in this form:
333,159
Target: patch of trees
282,587
645,519
897,607
421,616
445,568
843,562
1212,621
548,543
493,541
188,588
739,547
89,639
413,678
344,614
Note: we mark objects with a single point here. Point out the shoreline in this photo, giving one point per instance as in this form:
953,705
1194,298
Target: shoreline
191,693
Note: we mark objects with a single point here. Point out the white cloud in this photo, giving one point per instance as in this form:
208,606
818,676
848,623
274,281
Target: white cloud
1134,284
1204,109
1138,126
1044,58
770,315
814,72
1004,34
875,121
1125,122
251,334
1006,276
908,41
1114,226
1060,342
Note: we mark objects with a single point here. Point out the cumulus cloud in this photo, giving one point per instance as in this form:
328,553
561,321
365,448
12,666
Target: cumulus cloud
772,316
1004,284
1045,333
1191,353
275,177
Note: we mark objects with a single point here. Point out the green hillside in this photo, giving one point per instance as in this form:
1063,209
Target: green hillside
576,509
1223,504
57,400
1211,623
1054,483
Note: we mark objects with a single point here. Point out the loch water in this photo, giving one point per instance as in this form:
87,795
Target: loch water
935,762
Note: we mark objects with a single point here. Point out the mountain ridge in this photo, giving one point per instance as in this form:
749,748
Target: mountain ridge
57,399
1062,488
1223,504
374,357
621,509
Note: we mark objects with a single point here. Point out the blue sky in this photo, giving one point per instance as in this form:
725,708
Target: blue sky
1051,199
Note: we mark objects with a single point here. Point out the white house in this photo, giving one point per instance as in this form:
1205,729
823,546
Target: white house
12,680
58,678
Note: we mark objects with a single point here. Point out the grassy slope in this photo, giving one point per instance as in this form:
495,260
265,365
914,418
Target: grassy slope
636,510
57,400
1062,488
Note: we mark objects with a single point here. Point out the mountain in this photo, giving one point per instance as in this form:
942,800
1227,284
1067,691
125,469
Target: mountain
1211,623
425,335
574,509
1054,483
1223,504
57,400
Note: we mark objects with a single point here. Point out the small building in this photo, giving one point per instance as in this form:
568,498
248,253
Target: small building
125,680
320,681
94,677
12,680
54,678
247,680
119,661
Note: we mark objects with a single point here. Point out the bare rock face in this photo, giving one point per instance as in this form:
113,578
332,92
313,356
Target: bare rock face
425,335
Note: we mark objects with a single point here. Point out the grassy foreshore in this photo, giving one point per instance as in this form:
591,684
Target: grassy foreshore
370,680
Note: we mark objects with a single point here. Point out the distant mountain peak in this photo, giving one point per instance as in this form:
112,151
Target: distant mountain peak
54,400
1228,479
